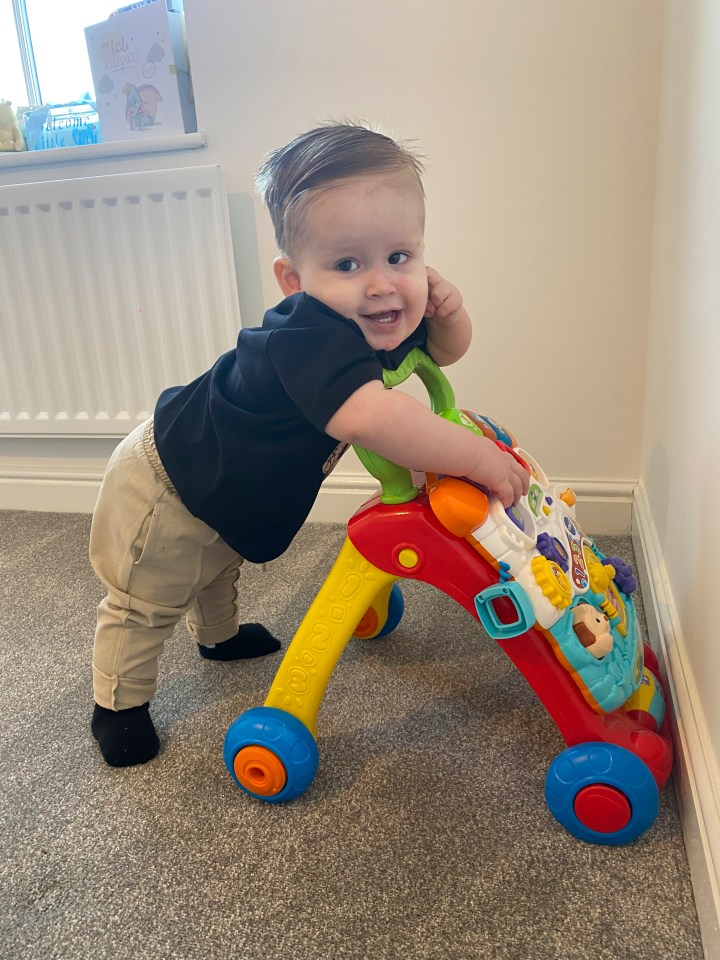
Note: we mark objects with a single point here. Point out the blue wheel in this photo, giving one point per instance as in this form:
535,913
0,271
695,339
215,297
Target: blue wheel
396,608
270,754
602,793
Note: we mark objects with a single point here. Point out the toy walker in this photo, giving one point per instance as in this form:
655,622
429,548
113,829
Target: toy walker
560,610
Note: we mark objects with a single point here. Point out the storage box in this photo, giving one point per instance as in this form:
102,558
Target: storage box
60,125
141,75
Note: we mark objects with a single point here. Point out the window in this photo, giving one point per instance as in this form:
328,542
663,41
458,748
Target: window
55,67
140,66
12,83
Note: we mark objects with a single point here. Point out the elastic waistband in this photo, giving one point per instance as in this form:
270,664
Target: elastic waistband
151,452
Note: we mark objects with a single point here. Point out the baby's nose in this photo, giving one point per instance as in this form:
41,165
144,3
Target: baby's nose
379,283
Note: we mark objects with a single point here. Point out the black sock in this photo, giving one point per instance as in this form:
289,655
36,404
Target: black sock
251,640
125,737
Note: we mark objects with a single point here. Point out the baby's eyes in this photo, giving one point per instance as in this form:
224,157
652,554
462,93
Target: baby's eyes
347,266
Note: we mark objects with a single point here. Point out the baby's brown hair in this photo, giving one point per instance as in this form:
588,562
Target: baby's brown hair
320,158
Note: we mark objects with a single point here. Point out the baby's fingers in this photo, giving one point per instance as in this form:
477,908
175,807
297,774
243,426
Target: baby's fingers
445,298
524,478
508,493
516,484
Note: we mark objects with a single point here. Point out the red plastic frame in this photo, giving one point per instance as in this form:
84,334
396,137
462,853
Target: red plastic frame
450,563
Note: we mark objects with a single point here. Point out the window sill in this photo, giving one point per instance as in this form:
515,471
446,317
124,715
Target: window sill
101,151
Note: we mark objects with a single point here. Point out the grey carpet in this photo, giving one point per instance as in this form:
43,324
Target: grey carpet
424,835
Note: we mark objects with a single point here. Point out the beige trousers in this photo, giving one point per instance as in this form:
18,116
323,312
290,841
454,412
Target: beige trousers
157,562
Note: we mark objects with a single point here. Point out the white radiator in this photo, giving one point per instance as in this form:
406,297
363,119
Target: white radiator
111,289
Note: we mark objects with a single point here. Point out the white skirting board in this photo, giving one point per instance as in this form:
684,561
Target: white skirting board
603,507
71,486
695,775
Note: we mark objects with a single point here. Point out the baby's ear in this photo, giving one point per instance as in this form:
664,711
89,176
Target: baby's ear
287,276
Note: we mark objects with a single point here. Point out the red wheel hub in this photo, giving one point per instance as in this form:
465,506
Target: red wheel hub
602,808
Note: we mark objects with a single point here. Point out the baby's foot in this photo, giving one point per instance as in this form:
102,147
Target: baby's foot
125,737
251,640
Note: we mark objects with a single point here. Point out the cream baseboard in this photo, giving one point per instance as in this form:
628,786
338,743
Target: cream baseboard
53,485
71,486
696,777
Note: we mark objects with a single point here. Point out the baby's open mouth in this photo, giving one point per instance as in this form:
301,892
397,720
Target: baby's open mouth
382,316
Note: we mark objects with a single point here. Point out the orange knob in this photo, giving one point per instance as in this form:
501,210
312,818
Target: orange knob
568,497
459,506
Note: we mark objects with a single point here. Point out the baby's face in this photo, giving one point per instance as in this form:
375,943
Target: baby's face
361,253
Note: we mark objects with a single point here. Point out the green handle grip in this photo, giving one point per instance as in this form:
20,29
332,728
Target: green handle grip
396,481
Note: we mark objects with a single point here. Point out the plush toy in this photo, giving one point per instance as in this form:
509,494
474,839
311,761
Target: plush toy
10,136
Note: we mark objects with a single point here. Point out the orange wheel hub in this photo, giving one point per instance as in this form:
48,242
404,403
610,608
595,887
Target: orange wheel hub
368,625
260,771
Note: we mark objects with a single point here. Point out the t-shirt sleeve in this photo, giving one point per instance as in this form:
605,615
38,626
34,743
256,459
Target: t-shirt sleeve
321,366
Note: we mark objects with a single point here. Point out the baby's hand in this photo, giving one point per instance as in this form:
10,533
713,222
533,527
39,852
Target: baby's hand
500,472
444,300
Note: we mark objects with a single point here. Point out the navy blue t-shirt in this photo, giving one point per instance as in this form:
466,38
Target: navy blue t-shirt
244,444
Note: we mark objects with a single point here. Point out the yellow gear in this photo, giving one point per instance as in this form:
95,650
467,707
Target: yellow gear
552,581
599,574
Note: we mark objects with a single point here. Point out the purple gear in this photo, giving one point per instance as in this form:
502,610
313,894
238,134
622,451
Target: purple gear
551,548
624,577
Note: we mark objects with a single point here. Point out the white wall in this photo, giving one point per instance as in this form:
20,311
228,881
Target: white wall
681,453
539,120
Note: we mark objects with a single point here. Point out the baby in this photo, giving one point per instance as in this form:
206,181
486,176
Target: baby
228,467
